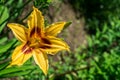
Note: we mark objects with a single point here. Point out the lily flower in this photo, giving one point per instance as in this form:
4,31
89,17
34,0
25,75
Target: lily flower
36,40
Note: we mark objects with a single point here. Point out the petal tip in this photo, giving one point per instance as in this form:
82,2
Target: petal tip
45,73
9,24
34,8
68,49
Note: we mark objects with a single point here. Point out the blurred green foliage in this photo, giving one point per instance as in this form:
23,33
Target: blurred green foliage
99,60
105,45
96,12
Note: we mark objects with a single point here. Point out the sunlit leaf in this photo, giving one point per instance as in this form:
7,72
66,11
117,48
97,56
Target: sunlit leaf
16,69
4,48
3,40
3,16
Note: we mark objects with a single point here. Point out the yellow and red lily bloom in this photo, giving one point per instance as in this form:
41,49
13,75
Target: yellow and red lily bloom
36,40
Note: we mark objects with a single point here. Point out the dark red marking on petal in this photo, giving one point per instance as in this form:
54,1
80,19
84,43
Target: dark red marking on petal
46,41
35,29
45,47
39,31
32,32
28,51
24,47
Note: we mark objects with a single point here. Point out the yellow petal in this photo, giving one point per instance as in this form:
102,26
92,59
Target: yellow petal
19,57
19,31
55,28
36,20
41,60
55,46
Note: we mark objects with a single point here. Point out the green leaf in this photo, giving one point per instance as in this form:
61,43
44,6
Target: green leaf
69,77
3,65
16,69
98,33
49,1
3,16
67,24
105,27
4,48
2,40
90,42
17,73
